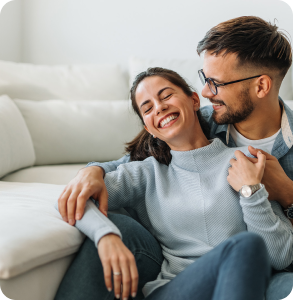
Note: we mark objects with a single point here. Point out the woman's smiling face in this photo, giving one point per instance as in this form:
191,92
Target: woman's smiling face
168,113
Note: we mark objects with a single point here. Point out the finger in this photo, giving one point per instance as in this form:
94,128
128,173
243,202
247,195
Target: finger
232,161
62,204
134,278
252,159
107,274
239,155
80,204
261,159
103,201
71,205
116,278
254,151
126,279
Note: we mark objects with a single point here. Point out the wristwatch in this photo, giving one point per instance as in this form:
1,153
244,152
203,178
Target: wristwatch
248,190
289,212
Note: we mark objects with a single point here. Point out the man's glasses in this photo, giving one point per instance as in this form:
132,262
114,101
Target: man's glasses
214,86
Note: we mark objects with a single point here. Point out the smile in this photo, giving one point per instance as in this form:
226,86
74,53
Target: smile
166,121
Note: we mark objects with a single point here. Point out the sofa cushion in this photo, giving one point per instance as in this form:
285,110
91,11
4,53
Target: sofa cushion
66,82
31,229
79,132
55,174
16,147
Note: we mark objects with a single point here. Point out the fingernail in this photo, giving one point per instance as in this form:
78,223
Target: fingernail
259,152
65,219
118,296
133,295
109,289
126,298
78,216
71,221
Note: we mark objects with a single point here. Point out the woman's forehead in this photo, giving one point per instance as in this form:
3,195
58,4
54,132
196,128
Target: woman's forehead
151,85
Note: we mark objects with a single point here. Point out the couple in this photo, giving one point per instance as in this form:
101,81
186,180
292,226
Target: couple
200,238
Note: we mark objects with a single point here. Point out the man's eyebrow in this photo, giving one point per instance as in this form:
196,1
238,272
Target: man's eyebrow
158,94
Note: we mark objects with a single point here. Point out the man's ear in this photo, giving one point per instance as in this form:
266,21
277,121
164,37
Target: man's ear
196,101
264,86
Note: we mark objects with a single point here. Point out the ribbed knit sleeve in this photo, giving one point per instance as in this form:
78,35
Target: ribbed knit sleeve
268,220
125,186
110,165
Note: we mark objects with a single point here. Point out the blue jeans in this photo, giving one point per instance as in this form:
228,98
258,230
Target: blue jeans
236,269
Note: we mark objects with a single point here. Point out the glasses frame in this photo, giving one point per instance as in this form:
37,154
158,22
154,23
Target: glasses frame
221,84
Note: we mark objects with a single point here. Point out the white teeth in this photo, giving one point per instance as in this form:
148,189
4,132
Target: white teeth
168,119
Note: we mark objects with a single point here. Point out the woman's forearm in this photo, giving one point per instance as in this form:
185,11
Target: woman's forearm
94,224
267,219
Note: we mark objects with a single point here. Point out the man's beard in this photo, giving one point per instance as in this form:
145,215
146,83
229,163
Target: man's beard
232,117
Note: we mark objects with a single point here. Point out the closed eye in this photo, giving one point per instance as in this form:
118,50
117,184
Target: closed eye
148,110
167,96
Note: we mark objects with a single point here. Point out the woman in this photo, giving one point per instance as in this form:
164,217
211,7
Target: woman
183,198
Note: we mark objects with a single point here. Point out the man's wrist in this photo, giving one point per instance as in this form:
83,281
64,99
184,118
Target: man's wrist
286,195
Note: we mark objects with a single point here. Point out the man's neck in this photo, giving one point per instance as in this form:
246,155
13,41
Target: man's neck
262,123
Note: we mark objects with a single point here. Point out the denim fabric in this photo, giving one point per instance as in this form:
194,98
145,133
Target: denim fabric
236,269
280,286
84,278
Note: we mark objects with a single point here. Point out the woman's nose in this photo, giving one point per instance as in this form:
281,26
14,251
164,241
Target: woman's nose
160,107
206,92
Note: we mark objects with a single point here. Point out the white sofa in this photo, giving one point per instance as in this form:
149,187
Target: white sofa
53,120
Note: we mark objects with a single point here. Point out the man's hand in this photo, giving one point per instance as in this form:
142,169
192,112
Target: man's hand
116,257
88,182
244,172
277,183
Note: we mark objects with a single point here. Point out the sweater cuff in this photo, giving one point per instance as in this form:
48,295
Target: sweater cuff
104,166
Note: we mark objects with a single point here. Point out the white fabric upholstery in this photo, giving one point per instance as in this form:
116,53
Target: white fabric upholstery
66,82
79,132
55,174
40,283
31,229
16,147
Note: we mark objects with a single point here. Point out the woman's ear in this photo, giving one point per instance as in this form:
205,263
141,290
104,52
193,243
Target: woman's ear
149,131
196,101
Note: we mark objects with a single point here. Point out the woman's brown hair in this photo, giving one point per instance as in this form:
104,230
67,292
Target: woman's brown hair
144,144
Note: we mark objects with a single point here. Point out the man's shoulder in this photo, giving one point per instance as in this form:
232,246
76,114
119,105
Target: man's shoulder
207,112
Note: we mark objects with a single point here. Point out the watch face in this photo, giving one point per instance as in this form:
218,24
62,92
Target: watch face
290,213
246,191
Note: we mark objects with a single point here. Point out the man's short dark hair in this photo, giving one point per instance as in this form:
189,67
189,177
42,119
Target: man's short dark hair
256,43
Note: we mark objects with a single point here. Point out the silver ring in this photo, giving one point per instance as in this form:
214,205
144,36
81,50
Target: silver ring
117,273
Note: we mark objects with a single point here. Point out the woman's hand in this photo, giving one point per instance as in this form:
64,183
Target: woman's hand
117,258
244,172
89,182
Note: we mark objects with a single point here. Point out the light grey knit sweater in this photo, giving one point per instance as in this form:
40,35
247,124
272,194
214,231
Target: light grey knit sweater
190,208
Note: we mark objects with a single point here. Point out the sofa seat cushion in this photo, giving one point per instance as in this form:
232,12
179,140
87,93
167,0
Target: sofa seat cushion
54,174
31,229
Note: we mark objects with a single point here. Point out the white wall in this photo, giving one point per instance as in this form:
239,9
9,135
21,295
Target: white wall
94,31
11,31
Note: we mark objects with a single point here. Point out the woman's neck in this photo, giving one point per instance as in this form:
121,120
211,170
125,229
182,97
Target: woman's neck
186,142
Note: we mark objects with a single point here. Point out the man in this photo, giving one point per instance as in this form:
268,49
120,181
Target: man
245,61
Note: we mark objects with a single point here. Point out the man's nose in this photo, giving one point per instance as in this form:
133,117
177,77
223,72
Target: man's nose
206,92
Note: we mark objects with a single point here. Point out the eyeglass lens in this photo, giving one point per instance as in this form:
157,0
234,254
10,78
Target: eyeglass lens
211,84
